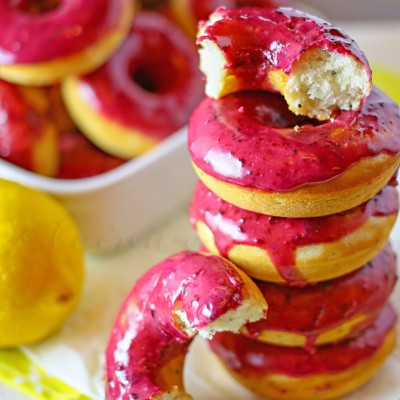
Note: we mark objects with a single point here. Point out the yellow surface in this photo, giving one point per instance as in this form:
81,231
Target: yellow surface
388,80
41,265
22,374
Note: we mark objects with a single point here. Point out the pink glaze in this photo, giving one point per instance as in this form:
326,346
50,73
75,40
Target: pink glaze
68,29
255,359
313,310
202,9
152,83
144,338
21,127
248,139
81,159
281,237
256,40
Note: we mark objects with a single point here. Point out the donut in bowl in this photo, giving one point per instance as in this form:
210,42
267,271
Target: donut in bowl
314,64
326,312
294,251
69,37
28,136
251,151
294,373
140,96
79,158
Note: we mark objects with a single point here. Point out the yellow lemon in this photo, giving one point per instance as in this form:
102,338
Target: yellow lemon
388,80
41,265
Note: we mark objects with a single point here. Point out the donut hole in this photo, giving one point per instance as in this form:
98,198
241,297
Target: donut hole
271,110
156,75
272,115
35,7
323,82
153,4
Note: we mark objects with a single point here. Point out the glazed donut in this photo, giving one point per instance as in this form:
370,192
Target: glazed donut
186,294
67,37
250,150
79,158
296,374
139,96
294,251
188,13
27,134
329,311
315,65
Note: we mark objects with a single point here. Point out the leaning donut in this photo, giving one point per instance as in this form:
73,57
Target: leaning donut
328,311
250,150
295,251
186,294
315,65
145,92
42,45
295,373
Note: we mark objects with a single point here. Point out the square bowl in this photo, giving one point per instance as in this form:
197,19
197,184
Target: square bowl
113,208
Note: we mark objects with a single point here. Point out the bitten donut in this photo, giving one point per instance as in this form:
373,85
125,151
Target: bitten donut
27,134
186,294
188,13
42,42
145,92
250,150
294,373
329,311
295,251
315,65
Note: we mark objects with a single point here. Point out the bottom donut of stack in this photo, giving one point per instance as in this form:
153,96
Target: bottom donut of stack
329,328
318,342
328,372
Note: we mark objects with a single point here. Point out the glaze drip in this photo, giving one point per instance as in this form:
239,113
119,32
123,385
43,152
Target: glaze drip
281,237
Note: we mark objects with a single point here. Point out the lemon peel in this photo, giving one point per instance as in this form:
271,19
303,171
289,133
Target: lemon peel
41,265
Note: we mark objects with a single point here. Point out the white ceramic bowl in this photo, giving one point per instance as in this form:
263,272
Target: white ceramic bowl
112,209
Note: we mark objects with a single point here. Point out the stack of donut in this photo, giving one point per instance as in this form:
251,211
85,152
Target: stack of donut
297,154
84,88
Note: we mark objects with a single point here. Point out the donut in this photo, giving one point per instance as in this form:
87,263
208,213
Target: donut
28,135
295,251
79,158
294,373
186,294
328,311
140,96
43,42
188,13
58,112
251,151
315,65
